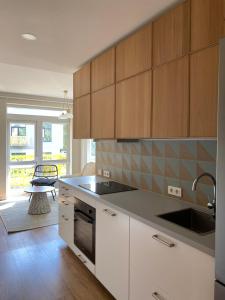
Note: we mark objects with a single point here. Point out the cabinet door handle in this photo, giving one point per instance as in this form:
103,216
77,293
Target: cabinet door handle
156,296
81,259
166,243
109,212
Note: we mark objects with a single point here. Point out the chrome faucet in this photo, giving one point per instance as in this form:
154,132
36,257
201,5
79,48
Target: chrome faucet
211,204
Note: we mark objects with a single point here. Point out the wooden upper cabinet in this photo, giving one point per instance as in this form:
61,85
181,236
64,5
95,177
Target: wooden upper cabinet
207,22
171,34
81,121
103,70
103,113
133,54
133,107
82,81
203,93
171,99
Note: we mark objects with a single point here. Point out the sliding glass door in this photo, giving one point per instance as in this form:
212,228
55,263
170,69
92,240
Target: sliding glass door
46,141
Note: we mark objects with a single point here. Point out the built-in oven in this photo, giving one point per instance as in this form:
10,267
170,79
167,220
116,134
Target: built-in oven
84,228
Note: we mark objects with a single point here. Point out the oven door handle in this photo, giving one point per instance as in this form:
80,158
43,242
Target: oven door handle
82,216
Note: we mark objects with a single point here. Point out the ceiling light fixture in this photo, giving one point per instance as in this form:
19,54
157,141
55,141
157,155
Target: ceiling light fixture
28,37
66,114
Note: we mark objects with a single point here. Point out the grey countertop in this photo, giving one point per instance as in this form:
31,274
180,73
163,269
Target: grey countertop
145,206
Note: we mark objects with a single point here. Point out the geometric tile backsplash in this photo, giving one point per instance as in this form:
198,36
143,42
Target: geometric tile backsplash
153,165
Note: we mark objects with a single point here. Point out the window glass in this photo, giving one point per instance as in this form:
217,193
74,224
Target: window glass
47,132
55,141
22,141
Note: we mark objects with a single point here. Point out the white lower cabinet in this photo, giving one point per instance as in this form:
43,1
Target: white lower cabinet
163,268
66,220
112,250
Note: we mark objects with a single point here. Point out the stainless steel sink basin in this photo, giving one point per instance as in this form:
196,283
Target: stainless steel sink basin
191,219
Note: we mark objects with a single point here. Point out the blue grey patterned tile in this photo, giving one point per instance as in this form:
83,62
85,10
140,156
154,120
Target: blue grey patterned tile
135,148
135,162
188,150
206,150
126,177
158,148
126,161
209,167
172,149
188,170
158,184
158,166
172,167
146,182
135,179
146,148
146,164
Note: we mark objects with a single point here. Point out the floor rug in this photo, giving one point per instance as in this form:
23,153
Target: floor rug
15,217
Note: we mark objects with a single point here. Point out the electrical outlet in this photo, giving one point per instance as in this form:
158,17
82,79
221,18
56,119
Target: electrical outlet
99,172
175,191
106,173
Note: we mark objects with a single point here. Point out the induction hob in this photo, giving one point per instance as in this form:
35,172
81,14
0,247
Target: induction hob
107,187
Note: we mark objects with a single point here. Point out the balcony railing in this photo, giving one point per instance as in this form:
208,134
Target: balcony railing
19,141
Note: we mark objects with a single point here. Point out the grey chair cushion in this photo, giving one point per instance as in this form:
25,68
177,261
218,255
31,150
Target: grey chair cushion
43,181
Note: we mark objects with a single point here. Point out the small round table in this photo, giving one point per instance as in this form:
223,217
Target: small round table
39,201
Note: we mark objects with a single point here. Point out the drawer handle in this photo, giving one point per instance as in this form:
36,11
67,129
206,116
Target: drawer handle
109,212
65,196
168,244
65,203
66,219
156,296
81,259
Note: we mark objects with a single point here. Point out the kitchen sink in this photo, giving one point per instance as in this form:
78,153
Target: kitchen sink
191,219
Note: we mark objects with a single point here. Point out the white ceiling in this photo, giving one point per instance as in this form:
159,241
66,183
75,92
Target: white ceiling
69,32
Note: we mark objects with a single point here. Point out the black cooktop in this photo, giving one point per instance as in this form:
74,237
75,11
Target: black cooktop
107,187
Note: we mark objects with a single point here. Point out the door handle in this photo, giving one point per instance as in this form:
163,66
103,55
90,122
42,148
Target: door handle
162,241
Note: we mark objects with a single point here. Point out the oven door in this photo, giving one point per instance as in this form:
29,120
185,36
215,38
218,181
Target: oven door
84,234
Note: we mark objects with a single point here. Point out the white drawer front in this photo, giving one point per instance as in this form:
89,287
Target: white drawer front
161,263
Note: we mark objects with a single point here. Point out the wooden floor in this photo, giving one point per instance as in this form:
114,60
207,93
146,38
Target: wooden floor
37,265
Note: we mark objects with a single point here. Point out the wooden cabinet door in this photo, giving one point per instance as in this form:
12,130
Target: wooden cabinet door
133,107
171,100
204,93
103,70
179,273
171,35
207,23
112,250
81,120
82,81
133,55
103,113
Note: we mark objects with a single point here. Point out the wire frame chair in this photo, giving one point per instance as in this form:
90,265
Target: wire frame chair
45,175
